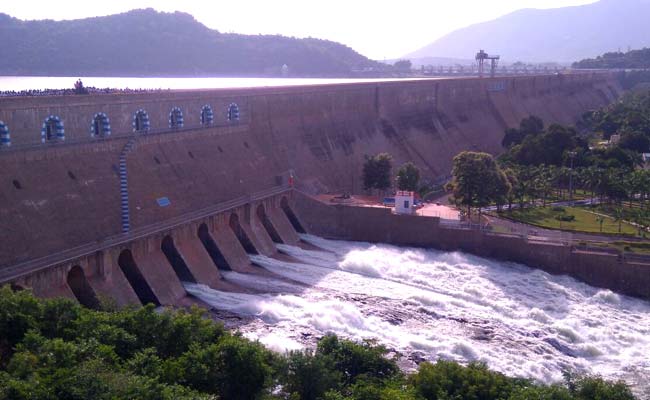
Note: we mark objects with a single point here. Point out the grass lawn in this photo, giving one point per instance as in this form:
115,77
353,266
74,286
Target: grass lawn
547,217
500,229
629,214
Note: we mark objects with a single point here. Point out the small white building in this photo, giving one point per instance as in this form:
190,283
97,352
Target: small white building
404,202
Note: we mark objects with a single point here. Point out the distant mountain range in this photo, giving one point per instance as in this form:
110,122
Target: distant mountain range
146,42
555,35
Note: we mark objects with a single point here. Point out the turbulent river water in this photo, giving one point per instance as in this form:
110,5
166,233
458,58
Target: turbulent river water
427,304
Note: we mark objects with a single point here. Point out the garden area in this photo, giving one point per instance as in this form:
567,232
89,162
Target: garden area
571,219
589,178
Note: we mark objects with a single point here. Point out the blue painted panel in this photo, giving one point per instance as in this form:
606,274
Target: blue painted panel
163,202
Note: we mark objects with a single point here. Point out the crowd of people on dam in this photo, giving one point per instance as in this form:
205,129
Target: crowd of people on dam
78,89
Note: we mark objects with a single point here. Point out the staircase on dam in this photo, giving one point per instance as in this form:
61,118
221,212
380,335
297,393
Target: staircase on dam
124,186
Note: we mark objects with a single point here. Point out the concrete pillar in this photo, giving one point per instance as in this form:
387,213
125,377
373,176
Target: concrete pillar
196,256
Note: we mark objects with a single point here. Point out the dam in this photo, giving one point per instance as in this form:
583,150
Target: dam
206,196
92,184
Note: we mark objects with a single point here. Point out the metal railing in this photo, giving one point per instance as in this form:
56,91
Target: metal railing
11,272
526,233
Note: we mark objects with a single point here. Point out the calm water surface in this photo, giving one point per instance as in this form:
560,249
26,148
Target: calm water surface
18,83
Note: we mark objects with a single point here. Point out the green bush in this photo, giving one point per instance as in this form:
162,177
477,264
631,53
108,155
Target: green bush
449,380
310,376
566,218
355,359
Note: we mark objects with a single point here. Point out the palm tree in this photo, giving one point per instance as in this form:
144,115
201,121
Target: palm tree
562,177
588,178
524,184
642,182
618,216
546,175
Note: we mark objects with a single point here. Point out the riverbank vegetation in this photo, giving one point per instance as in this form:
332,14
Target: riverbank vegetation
57,349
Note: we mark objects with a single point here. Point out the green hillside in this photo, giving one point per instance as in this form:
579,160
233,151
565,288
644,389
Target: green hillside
631,59
146,42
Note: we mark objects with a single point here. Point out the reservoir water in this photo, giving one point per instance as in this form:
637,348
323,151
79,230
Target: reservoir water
18,83
426,304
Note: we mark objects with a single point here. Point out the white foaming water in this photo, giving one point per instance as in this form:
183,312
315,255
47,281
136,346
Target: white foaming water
431,304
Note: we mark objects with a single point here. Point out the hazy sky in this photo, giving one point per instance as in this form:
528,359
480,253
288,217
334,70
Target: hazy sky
376,28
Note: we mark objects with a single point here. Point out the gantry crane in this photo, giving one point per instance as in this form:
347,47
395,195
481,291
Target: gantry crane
481,56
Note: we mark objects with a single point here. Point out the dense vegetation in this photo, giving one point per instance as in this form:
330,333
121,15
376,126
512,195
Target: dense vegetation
478,181
637,59
56,349
408,177
145,42
636,64
377,172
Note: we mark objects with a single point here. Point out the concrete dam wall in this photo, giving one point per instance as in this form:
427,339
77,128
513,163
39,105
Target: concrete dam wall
61,180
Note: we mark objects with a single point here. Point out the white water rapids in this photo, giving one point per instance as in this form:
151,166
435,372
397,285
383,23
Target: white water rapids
429,304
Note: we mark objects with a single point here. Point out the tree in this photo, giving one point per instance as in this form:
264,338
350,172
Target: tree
635,141
377,172
502,189
512,137
530,126
544,180
523,186
354,360
403,65
448,380
533,125
408,177
511,176
477,180
310,376
615,185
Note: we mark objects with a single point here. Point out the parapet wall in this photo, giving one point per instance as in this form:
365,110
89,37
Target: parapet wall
64,194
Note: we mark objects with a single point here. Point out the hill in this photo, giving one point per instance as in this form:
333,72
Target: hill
562,34
146,42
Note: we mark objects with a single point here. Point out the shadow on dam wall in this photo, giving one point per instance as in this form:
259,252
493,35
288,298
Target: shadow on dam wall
213,250
318,134
135,278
